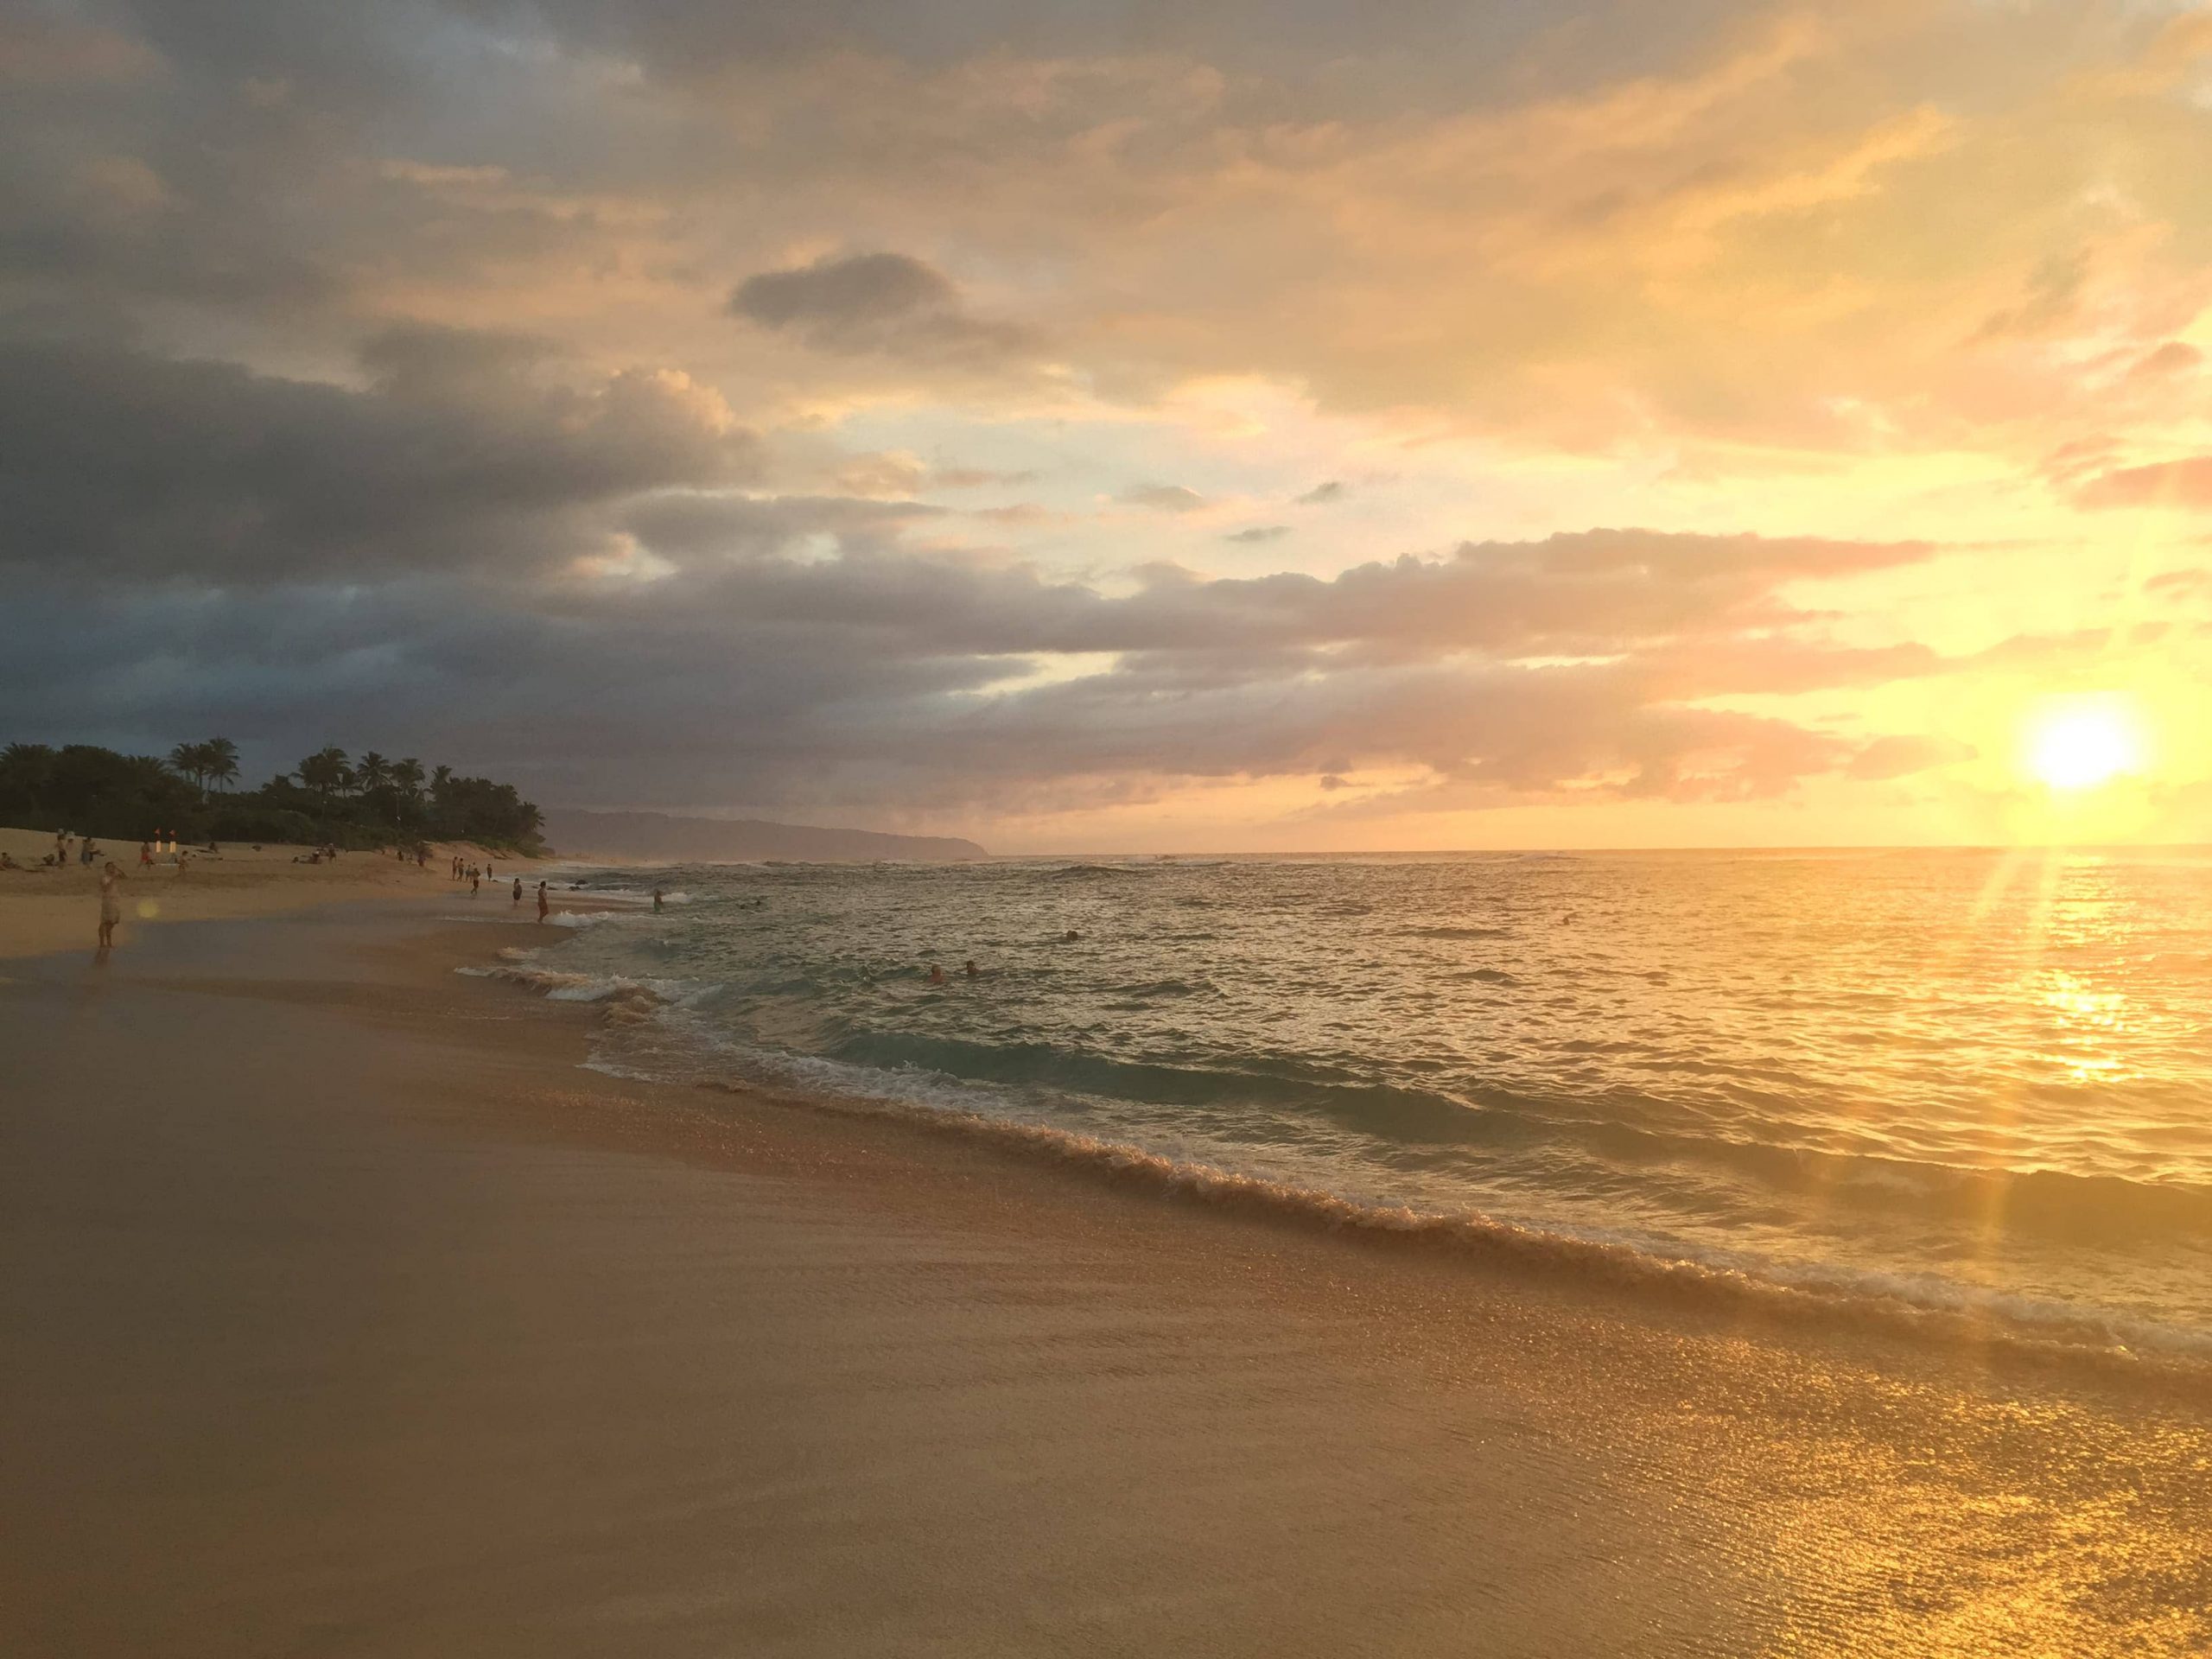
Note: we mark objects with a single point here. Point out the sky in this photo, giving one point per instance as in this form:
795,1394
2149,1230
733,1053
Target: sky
1136,427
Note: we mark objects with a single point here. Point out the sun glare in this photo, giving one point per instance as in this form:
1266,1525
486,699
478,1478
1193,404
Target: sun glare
2084,745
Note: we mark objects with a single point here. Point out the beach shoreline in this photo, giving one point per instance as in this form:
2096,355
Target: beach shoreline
719,1370
44,909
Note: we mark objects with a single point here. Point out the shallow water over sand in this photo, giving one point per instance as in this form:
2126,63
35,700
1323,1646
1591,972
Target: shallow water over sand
1968,1091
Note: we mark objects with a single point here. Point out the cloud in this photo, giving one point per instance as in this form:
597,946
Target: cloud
49,52
397,357
1258,533
2051,295
119,463
863,676
1162,497
2188,579
1900,757
2174,357
977,478
876,302
2184,484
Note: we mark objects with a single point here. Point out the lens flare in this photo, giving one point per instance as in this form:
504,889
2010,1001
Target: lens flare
2084,745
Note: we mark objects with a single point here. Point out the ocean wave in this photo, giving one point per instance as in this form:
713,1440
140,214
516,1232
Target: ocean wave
556,986
1147,989
1604,1136
1722,1068
1922,1306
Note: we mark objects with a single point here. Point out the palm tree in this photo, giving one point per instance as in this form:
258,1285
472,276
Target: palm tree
441,776
407,776
191,760
26,772
222,759
326,770
374,771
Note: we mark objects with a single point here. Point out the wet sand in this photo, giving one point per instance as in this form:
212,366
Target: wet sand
341,1314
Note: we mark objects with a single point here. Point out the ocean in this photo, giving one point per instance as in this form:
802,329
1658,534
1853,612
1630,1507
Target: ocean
1964,1094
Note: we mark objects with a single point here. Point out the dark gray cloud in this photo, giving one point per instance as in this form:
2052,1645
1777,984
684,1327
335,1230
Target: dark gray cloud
877,302
116,463
689,525
872,679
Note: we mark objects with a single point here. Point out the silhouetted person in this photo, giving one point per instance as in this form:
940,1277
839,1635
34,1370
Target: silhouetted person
111,903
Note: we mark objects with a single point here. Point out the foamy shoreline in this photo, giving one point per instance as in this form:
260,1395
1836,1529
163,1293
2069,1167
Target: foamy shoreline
337,1296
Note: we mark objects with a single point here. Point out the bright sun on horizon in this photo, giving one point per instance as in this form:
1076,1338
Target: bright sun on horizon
2085,745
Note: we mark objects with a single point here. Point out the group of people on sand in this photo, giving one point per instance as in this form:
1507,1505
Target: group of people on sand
69,850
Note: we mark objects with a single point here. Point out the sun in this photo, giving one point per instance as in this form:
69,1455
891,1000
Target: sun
2084,745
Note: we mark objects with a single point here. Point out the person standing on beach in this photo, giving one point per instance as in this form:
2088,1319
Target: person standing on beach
475,881
543,903
111,903
517,889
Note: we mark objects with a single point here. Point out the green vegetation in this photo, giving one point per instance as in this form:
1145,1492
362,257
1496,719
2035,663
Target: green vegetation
329,797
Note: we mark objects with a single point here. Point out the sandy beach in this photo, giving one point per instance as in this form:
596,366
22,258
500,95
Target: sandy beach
342,1313
55,909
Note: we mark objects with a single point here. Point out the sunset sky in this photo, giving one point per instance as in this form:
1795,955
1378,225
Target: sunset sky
1132,427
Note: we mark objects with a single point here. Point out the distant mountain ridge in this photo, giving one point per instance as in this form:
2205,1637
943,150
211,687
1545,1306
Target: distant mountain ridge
657,837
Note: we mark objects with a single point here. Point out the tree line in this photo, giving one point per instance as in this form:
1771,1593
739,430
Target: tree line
329,797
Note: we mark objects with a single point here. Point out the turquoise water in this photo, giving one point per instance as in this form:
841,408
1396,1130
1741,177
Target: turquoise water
1946,1087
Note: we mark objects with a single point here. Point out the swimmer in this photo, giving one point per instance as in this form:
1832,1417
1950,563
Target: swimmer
937,975
972,971
658,896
